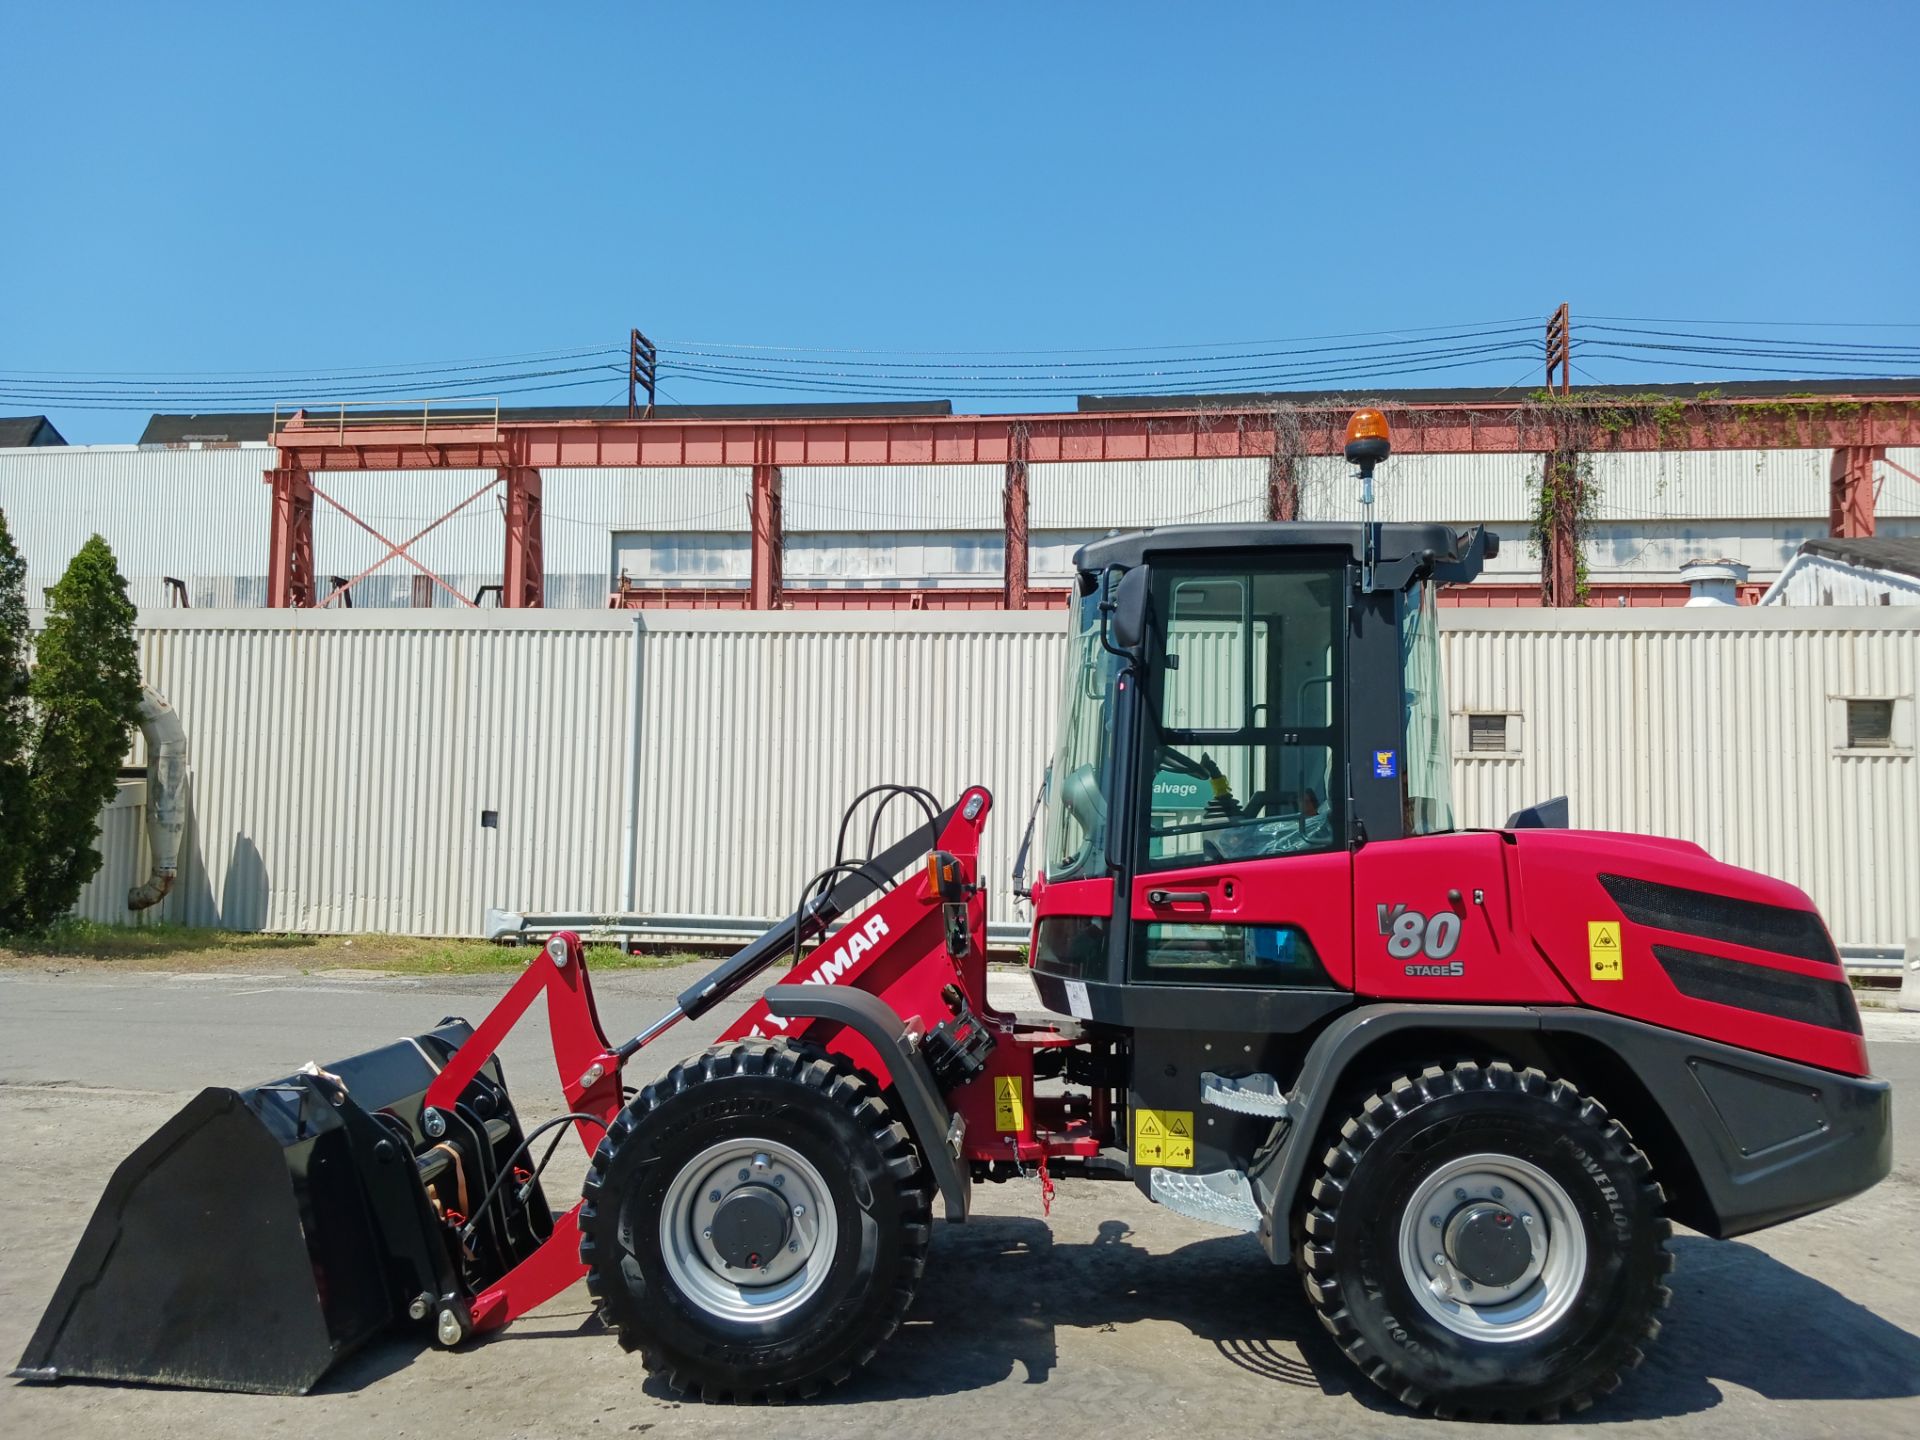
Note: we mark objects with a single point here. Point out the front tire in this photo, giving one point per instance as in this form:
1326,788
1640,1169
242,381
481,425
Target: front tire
755,1223
1487,1243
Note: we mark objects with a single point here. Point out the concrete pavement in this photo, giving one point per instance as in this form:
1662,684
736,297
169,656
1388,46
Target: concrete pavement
1111,1310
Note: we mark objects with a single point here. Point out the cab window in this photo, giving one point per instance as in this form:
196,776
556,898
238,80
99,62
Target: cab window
1242,749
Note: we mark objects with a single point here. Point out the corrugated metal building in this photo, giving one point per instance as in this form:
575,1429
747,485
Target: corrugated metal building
201,515
403,772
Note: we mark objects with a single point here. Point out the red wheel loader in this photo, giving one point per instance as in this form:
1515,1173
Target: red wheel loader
1463,1081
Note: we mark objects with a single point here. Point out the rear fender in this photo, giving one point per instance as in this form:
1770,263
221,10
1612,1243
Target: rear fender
1743,1140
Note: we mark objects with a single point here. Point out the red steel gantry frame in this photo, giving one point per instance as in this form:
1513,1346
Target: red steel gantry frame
1859,428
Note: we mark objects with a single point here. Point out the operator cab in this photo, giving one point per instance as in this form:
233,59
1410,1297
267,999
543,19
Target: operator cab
1245,708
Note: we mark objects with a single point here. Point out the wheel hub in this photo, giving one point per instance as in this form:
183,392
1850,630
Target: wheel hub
748,1230
1488,1244
1492,1247
751,1226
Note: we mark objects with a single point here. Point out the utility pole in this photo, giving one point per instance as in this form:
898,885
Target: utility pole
642,366
1559,348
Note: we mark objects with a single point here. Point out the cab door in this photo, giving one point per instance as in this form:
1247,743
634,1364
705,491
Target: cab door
1242,873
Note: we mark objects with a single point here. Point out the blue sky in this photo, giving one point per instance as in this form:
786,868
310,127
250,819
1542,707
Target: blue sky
263,187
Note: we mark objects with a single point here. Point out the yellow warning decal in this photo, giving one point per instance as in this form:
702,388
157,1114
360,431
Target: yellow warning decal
1009,1105
1163,1137
1603,949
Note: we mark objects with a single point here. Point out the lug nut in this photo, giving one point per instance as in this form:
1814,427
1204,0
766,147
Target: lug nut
799,1210
793,1245
1526,1219
713,1197
1434,1220
743,1174
1459,1194
1498,1193
778,1181
1441,1261
706,1234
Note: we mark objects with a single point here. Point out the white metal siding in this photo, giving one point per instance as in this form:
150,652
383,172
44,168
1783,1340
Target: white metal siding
1898,492
1820,580
1722,484
1455,489
906,558
341,760
1715,730
203,515
1102,495
199,515
891,497
123,859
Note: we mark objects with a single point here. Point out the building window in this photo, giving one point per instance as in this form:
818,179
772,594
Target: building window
1869,724
1486,735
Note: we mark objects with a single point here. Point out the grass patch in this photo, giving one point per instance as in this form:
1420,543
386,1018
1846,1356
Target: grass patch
186,947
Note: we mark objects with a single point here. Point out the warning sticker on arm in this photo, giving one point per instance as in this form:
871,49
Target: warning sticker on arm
1603,950
1009,1104
1163,1137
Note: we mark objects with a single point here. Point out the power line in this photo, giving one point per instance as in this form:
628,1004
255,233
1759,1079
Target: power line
1166,373
133,404
1113,349
1060,369
165,388
1749,339
407,367
1796,372
1777,324
1297,381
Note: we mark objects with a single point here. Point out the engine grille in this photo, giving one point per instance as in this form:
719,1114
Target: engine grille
1722,917
1780,993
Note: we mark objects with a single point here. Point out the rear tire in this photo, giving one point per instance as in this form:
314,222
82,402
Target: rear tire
833,1193
1513,1177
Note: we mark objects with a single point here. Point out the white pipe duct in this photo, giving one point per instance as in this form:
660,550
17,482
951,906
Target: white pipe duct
166,795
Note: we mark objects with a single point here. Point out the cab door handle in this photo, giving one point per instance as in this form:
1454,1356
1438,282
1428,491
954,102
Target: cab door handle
1180,897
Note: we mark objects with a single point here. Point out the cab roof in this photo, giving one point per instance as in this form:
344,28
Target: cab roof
1434,543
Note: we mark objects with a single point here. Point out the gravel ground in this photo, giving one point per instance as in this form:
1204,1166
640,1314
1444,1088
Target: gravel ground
1110,1309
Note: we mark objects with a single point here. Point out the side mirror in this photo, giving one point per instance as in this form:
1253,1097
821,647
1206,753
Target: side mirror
1130,610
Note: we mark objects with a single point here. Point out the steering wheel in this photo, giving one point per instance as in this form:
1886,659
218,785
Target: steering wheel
1183,762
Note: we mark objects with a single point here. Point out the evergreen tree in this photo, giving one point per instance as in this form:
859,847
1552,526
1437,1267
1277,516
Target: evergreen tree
15,832
85,693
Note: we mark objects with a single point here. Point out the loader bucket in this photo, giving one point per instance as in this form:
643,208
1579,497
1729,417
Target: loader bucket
261,1235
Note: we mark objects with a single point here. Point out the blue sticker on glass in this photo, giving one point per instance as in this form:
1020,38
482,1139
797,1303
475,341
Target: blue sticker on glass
1386,764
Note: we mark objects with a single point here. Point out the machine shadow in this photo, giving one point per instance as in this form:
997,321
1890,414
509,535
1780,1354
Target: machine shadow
997,1289
1732,1304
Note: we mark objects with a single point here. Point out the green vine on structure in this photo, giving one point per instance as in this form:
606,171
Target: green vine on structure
1565,476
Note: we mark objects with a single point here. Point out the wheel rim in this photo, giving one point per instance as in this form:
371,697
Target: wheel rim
734,1186
1453,1228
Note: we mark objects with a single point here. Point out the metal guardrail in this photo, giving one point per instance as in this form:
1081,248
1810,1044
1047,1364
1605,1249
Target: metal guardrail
352,416
511,927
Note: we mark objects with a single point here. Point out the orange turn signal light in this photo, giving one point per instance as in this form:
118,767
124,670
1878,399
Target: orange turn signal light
1367,425
945,877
